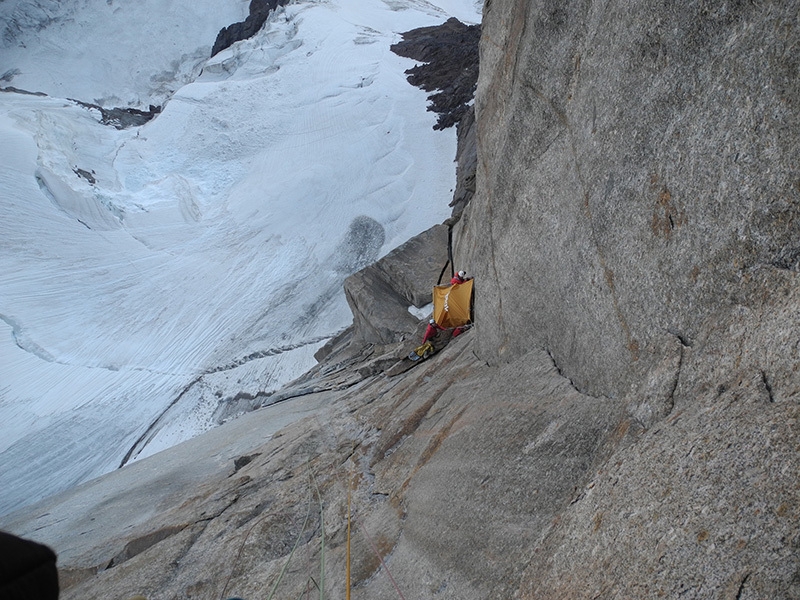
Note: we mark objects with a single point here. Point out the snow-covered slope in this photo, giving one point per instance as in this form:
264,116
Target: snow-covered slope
110,52
155,271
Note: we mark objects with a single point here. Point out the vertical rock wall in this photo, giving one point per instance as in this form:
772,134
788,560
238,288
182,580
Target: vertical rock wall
638,185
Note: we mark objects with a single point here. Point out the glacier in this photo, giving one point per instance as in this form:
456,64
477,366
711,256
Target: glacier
149,273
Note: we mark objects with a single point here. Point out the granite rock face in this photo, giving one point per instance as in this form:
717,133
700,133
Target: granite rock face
637,180
704,505
464,481
454,470
380,294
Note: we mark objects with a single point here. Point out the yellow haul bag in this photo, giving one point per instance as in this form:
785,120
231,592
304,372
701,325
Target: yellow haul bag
452,304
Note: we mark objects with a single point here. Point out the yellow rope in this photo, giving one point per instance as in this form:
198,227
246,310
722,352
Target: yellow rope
347,568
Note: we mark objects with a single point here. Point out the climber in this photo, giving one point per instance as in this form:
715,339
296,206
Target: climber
460,277
431,342
431,331
461,329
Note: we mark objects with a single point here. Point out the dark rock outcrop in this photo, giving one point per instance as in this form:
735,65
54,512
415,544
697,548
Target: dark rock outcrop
259,11
122,118
449,53
13,90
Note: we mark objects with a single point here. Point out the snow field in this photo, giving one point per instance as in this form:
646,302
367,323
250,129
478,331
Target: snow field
148,274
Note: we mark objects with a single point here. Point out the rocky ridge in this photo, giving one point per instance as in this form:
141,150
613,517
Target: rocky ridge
449,66
258,13
544,454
